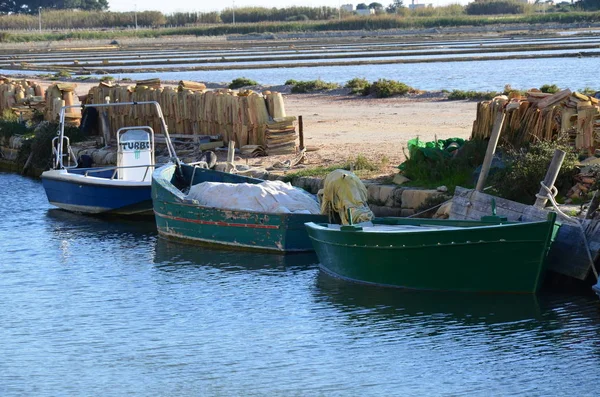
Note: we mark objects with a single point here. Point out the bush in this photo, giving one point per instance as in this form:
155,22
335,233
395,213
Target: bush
300,87
241,82
520,180
550,89
457,95
493,7
384,88
358,86
62,74
107,78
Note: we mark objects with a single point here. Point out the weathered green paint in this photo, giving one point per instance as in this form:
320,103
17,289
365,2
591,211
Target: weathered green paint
181,219
480,256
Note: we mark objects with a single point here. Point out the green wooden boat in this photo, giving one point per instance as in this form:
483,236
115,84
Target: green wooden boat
180,219
491,255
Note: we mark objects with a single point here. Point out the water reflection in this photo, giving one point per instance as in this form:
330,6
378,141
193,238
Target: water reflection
170,256
393,303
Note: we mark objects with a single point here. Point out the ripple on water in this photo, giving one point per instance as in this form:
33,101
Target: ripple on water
95,304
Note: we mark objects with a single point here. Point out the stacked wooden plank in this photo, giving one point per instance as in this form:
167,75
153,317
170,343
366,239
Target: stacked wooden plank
190,109
542,116
191,85
16,93
281,136
57,96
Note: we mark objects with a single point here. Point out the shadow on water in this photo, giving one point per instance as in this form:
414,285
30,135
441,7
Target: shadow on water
469,308
552,311
169,256
86,226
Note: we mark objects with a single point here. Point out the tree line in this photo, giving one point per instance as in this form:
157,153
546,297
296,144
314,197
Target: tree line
90,14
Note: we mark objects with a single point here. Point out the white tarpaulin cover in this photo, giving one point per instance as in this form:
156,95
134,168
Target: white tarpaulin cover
269,196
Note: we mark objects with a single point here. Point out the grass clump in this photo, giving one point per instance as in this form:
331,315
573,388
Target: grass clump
360,165
588,91
520,179
301,87
62,74
107,79
458,95
384,88
241,82
549,89
358,86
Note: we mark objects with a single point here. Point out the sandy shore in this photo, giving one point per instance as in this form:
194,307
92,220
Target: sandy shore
343,126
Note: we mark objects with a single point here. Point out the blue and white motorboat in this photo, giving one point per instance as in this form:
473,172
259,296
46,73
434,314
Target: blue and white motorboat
122,189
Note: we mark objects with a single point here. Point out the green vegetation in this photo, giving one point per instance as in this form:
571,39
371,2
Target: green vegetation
263,14
300,87
520,180
241,82
358,86
32,6
384,88
550,89
495,7
588,91
361,166
61,74
107,79
457,95
377,22
71,19
437,163
9,126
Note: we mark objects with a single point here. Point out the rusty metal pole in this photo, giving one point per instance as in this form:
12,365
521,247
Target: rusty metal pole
301,132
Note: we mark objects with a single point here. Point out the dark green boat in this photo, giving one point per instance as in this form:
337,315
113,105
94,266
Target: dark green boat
180,219
491,255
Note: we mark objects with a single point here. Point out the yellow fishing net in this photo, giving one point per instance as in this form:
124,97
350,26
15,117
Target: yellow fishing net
342,191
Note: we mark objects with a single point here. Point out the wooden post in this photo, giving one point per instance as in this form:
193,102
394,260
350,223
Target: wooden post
593,206
550,177
230,156
301,132
491,149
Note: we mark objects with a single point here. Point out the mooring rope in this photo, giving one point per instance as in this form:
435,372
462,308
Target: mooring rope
550,195
429,209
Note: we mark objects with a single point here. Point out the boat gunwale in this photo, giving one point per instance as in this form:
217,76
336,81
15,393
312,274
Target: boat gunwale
69,177
169,187
486,226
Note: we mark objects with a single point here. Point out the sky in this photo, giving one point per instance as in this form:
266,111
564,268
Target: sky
205,6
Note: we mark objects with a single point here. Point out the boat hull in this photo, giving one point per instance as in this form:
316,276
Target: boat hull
75,192
182,220
596,288
484,258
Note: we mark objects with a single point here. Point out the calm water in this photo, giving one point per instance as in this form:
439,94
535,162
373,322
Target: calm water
570,73
105,308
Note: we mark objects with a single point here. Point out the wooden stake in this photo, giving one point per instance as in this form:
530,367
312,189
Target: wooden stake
491,149
593,205
301,132
230,156
550,178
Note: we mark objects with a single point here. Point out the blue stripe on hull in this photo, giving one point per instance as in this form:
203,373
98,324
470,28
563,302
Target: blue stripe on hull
96,199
